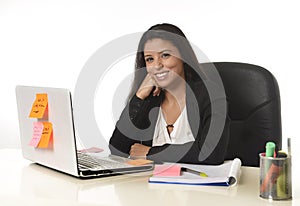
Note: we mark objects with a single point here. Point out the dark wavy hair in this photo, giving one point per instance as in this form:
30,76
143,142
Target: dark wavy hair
174,35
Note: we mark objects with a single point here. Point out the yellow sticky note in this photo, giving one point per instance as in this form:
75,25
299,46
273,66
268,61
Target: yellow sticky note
38,128
45,138
39,106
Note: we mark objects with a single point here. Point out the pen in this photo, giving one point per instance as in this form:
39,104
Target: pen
289,146
270,149
271,177
269,167
281,154
201,174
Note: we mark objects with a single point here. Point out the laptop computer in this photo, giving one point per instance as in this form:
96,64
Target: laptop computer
61,152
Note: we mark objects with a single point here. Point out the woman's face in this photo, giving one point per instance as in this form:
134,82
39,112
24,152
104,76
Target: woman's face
163,62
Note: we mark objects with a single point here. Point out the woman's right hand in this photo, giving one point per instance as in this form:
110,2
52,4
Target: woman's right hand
147,86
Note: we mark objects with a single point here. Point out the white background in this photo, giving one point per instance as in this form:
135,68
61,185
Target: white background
46,43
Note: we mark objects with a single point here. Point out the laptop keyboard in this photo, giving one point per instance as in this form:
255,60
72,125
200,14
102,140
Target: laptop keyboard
93,163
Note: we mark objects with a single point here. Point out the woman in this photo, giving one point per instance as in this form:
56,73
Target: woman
169,113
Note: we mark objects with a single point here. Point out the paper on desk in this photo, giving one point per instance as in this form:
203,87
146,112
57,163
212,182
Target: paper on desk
235,171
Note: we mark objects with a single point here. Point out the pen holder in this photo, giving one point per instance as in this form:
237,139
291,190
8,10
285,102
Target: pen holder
275,177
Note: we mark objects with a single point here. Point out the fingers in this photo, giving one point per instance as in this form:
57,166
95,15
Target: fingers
135,149
147,86
157,89
139,150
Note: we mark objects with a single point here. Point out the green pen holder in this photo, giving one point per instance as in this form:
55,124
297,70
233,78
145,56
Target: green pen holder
275,177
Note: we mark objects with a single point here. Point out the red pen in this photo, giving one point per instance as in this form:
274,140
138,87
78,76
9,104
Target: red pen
271,177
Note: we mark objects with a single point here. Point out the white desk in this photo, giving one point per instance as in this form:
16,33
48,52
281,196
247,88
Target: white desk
23,183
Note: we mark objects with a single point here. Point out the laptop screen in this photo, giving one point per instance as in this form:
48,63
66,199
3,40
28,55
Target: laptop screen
58,150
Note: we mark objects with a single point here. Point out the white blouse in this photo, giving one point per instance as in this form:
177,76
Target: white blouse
180,134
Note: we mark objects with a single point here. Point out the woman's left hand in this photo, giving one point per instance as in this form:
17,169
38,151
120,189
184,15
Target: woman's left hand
139,150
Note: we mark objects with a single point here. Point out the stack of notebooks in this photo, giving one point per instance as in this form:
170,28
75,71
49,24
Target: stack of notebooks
226,174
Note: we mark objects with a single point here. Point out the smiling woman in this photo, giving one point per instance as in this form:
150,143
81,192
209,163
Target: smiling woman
169,110
163,62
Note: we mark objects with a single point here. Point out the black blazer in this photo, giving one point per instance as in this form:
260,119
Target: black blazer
210,127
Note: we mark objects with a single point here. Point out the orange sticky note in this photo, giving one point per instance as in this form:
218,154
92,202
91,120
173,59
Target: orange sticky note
39,106
138,162
167,170
47,132
37,133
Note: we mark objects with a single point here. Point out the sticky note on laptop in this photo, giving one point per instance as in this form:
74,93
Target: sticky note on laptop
167,170
37,134
46,135
39,106
91,150
41,136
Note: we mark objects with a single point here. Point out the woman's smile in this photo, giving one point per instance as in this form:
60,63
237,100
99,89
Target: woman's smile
161,75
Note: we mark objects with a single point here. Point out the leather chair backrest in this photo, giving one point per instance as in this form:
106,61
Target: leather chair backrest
253,108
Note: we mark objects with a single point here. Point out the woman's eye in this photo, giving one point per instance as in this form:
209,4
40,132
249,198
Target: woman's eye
165,55
149,59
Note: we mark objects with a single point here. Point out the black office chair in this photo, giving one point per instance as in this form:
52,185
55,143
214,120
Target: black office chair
253,107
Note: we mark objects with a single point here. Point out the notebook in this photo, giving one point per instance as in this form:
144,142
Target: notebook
39,107
226,174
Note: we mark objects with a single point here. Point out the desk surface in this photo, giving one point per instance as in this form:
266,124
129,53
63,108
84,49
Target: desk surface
30,184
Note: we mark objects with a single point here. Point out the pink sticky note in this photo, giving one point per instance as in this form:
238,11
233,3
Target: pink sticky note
37,133
91,150
167,170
